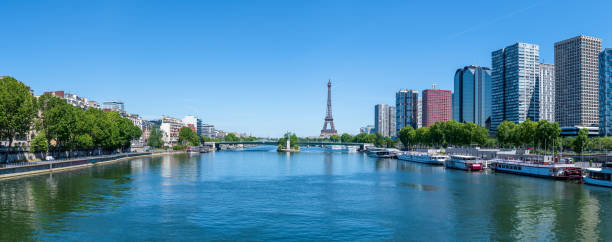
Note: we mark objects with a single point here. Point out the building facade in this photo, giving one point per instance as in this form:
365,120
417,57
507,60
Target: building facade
206,130
546,90
605,92
170,128
514,74
74,99
191,122
577,81
384,120
472,97
436,106
406,109
116,106
368,129
419,112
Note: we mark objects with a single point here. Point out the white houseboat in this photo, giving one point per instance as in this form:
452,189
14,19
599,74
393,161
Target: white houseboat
382,153
464,162
547,169
599,176
423,157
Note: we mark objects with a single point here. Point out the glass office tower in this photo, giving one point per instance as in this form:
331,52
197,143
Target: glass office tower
514,75
472,96
605,92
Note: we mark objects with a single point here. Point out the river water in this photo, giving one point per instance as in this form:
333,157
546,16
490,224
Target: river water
313,195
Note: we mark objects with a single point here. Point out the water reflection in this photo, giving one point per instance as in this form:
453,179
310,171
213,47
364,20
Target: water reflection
313,195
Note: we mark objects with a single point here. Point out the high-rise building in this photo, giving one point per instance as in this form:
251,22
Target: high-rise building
436,106
420,112
472,97
605,92
545,87
384,120
577,81
513,82
406,109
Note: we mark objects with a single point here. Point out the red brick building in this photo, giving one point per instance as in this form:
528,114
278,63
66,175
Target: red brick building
436,106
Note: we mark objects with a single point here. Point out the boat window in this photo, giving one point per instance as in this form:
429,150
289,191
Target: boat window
599,176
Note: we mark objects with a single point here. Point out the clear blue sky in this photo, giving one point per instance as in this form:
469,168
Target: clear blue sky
261,67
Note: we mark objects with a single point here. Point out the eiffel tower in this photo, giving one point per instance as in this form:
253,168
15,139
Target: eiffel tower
329,120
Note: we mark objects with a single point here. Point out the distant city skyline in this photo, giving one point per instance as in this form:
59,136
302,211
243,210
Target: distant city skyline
235,67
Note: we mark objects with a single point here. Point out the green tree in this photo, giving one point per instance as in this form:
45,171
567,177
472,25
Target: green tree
547,133
17,110
231,137
206,139
506,133
407,136
39,143
581,141
422,136
380,140
293,139
83,142
346,138
187,136
454,133
527,131
436,134
390,143
334,138
155,138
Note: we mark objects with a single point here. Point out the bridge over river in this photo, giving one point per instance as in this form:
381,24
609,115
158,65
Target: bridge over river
300,143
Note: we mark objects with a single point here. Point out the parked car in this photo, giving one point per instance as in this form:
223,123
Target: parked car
49,158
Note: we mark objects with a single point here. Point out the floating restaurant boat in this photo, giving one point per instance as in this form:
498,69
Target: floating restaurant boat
564,170
381,153
464,162
599,176
336,148
423,157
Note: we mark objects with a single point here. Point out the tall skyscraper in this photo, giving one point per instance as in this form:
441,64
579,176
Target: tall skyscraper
384,120
420,112
436,106
406,109
513,82
577,82
605,92
472,97
545,87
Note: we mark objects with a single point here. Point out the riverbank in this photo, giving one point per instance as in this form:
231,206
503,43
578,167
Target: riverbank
35,168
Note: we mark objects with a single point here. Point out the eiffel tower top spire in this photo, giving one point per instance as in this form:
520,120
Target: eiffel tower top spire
329,120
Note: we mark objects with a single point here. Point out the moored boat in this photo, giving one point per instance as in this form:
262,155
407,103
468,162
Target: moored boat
423,157
381,153
464,162
546,169
599,176
336,148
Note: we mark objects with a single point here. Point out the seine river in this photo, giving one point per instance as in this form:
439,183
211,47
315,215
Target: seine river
313,195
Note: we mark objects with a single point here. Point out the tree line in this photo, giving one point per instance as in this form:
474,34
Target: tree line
58,125
444,133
